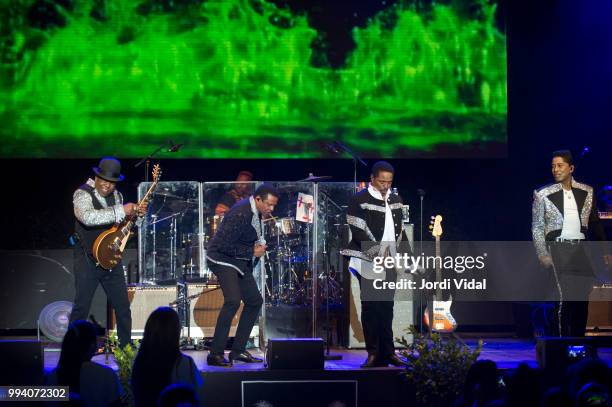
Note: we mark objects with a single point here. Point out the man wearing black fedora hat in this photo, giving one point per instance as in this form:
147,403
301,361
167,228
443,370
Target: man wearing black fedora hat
97,206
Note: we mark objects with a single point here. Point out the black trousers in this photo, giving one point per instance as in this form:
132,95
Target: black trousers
86,279
573,278
235,289
377,317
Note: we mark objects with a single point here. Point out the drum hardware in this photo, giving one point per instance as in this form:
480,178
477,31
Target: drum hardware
174,221
315,178
329,274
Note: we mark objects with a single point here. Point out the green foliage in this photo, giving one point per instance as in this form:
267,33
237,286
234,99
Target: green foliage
124,357
437,368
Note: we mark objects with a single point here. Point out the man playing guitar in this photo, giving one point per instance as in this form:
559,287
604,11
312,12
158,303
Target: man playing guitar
98,205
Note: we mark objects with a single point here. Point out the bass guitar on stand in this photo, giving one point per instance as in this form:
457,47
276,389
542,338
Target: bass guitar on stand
438,317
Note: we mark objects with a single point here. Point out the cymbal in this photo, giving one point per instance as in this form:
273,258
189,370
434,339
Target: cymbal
315,178
166,193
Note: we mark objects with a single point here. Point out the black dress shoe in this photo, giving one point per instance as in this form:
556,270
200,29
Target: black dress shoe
244,356
371,361
217,360
396,361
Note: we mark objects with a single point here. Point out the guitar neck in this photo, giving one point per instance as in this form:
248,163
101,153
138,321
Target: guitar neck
438,270
130,221
147,195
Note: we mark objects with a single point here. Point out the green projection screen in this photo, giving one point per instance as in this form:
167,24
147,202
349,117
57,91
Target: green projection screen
250,79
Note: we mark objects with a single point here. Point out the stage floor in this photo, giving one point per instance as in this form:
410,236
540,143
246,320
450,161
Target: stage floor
507,353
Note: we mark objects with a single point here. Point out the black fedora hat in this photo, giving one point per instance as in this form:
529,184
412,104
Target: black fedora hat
109,169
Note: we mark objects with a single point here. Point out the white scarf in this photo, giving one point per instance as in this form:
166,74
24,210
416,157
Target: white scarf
256,222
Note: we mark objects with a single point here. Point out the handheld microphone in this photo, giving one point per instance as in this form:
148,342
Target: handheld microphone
174,147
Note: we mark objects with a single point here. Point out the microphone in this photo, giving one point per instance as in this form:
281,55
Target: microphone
174,147
334,148
421,192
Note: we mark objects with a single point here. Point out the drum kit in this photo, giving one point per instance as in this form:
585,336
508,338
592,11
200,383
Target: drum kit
175,249
287,264
173,246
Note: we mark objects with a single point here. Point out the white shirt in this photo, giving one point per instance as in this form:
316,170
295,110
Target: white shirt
571,217
363,267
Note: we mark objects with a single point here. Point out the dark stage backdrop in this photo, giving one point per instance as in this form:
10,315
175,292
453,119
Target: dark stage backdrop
560,84
559,87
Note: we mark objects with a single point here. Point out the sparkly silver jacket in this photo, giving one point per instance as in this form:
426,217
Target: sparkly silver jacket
547,214
89,216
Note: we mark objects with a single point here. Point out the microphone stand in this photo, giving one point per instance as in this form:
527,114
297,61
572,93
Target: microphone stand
147,160
355,158
421,194
338,147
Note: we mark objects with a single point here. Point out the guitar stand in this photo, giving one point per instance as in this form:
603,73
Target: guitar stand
107,348
453,334
183,305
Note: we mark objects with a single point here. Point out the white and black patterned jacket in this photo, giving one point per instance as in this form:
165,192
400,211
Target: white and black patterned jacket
547,214
366,219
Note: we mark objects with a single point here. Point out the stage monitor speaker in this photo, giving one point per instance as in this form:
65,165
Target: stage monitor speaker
295,353
22,363
555,354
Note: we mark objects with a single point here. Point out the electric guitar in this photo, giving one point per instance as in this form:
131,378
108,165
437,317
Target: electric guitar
110,244
443,320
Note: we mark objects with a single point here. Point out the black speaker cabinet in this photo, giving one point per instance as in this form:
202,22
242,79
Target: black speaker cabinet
22,363
295,353
557,353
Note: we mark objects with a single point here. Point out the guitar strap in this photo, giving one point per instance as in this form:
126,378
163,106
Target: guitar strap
83,241
109,200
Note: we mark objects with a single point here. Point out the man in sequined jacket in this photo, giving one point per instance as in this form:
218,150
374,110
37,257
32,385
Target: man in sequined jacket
232,253
565,215
97,206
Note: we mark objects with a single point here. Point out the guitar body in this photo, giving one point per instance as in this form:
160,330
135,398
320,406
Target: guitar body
443,320
108,247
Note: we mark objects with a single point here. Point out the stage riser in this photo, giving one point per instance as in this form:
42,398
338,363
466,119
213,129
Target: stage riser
22,363
377,387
